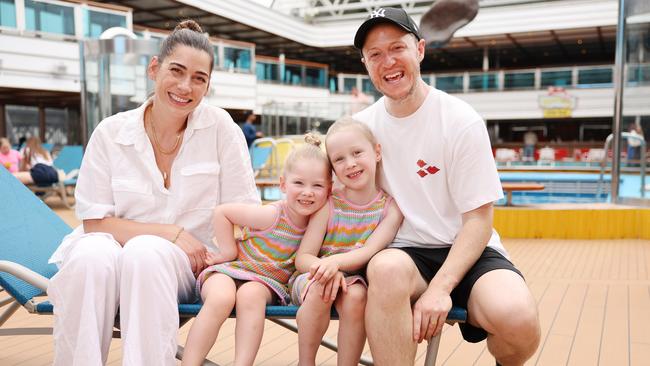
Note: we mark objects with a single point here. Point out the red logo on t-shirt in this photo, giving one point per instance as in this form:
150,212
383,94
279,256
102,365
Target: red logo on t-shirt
426,170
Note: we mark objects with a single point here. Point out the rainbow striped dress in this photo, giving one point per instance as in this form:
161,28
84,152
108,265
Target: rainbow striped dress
266,256
348,228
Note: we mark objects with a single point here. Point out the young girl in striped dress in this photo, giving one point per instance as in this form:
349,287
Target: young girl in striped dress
358,220
253,271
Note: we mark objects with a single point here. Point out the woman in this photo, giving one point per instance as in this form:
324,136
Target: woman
36,165
148,183
9,158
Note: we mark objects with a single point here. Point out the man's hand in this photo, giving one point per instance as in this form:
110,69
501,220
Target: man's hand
195,251
323,270
430,313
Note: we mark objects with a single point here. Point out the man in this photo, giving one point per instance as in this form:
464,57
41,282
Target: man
359,100
530,140
438,165
634,144
250,133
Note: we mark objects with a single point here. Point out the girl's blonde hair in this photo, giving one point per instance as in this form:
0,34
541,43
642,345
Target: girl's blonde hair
349,122
5,141
309,150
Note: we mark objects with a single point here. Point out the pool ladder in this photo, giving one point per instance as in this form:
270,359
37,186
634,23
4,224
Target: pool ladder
642,162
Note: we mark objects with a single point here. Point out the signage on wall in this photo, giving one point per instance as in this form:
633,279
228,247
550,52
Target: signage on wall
557,103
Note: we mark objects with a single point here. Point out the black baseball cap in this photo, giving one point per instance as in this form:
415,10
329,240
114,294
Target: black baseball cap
396,16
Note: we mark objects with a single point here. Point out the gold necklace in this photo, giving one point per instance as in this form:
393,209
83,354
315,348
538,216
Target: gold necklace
155,139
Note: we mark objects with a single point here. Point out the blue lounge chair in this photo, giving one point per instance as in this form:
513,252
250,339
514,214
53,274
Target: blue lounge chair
29,234
260,151
69,160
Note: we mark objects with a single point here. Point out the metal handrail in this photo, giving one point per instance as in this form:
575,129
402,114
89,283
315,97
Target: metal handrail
642,163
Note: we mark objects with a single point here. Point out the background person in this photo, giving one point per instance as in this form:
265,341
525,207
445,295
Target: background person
530,140
360,100
438,166
36,165
9,158
148,184
250,132
633,144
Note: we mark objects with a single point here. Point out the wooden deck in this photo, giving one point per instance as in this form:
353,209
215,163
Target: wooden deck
593,296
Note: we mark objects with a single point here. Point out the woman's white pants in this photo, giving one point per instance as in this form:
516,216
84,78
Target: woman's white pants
146,278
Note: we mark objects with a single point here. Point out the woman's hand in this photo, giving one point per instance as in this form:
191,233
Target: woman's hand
213,257
195,251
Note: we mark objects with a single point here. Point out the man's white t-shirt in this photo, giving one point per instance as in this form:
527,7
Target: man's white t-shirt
437,164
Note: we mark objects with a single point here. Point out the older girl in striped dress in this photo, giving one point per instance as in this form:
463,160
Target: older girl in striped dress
358,220
253,271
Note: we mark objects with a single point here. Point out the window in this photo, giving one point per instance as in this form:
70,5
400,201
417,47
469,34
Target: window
450,84
22,121
483,82
519,80
556,78
95,22
292,74
51,18
334,84
349,83
594,77
237,59
7,13
315,76
638,74
267,71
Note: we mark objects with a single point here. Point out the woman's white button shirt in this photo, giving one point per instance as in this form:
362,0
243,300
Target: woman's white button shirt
119,176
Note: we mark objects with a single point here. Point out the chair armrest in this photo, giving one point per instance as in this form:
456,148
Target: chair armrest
25,274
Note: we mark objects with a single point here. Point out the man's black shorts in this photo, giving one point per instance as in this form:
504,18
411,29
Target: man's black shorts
429,260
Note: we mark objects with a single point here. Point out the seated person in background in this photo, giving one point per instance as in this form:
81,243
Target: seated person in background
634,144
249,128
9,158
530,139
36,166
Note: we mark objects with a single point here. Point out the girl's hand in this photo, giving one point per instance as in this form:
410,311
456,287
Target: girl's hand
323,270
331,288
195,251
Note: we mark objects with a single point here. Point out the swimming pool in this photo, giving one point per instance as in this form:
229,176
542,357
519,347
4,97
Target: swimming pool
565,187
559,187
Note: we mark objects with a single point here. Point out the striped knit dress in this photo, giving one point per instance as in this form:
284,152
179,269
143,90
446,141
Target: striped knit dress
266,256
348,228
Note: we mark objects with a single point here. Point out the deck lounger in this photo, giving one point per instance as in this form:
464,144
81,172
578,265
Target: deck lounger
261,156
29,234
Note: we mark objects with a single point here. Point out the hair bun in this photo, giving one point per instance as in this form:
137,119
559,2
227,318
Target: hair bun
189,24
312,139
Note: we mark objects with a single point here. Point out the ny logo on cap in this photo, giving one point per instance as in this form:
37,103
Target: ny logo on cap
381,12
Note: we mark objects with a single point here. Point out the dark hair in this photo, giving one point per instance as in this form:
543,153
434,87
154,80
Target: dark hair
188,33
